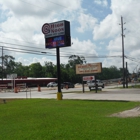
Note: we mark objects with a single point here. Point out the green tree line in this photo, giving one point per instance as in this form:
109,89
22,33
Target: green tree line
68,71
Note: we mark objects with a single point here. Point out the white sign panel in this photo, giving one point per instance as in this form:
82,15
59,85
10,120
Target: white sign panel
89,68
88,78
53,29
11,76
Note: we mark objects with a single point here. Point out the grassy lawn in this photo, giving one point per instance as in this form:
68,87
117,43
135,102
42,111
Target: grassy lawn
45,119
130,86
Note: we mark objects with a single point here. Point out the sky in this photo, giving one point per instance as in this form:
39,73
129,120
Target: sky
95,26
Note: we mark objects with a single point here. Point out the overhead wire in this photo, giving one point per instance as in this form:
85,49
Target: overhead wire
132,59
53,51
46,9
56,3
46,53
48,50
50,53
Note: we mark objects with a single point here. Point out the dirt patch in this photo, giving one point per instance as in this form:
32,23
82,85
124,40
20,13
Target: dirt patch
135,112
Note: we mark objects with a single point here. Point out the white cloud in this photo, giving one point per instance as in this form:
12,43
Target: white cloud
86,21
31,60
115,44
107,28
85,46
101,2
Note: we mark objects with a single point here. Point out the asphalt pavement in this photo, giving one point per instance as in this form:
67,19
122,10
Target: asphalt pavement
107,93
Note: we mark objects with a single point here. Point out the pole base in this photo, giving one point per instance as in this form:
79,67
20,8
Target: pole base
59,95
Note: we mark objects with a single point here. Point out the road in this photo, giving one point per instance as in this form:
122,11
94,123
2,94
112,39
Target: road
108,93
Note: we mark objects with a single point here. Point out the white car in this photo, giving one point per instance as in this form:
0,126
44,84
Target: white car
91,84
52,84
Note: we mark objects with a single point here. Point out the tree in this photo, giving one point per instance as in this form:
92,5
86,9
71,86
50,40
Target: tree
35,70
109,73
21,70
49,69
8,65
71,67
75,59
64,72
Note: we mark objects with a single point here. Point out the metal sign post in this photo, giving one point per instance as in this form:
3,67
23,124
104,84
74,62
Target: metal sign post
87,78
59,93
12,77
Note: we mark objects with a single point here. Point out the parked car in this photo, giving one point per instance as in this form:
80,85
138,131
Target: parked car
92,84
69,84
52,84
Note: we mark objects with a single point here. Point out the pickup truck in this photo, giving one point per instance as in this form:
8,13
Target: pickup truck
91,84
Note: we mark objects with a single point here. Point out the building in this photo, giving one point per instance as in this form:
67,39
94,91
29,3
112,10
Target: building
30,82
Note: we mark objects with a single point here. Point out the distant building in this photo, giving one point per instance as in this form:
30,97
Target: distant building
30,82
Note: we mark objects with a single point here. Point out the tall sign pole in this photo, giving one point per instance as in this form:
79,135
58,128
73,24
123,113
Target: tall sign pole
59,94
57,34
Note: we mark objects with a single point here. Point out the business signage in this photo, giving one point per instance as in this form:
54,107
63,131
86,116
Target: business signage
88,78
56,29
89,68
57,34
58,41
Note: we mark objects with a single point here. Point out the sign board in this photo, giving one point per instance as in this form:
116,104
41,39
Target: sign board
57,34
56,29
89,68
11,76
58,41
88,78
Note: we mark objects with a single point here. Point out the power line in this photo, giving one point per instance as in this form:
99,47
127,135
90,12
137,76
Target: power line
57,4
49,50
47,53
53,51
35,5
132,59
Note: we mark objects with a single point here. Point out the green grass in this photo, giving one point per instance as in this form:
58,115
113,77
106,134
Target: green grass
132,86
44,119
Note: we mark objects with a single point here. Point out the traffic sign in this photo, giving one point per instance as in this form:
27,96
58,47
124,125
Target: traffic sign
88,78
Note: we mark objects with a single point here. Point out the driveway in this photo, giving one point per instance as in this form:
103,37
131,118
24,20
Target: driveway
76,93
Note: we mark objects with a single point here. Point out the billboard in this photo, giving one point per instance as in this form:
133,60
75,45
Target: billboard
89,68
56,29
57,34
58,41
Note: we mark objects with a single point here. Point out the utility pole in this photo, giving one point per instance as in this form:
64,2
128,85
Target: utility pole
2,64
123,52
